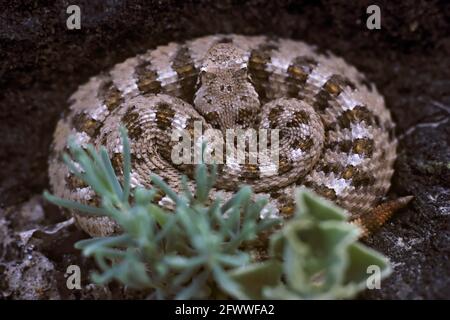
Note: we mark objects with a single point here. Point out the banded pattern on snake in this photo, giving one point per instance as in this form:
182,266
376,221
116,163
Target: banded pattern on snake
336,134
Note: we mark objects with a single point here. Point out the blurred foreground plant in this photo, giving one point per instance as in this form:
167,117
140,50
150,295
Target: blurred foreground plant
200,248
314,256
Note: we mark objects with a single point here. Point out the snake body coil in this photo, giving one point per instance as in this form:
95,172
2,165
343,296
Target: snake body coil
335,134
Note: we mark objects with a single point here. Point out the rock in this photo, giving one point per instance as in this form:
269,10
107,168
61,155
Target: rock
33,278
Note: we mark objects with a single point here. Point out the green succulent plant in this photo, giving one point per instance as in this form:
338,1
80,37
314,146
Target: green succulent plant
314,256
203,248
181,254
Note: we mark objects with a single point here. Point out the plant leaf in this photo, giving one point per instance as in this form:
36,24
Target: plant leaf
255,277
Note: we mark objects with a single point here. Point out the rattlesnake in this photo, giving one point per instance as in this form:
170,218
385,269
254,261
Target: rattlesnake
336,134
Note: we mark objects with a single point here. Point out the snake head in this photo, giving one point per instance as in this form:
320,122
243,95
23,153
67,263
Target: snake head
224,57
225,94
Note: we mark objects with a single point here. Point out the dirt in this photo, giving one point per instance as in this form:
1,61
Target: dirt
42,63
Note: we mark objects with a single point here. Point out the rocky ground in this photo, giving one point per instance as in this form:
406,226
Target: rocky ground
42,63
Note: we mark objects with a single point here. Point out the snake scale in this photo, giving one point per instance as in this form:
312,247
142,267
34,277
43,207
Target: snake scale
336,135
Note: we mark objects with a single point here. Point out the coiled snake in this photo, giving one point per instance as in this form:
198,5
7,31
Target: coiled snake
336,135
